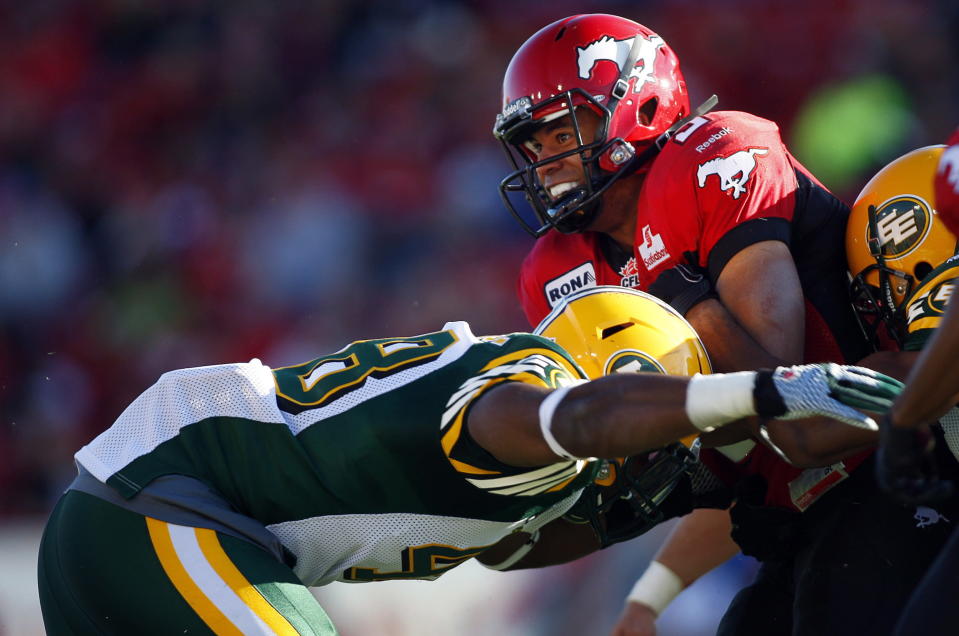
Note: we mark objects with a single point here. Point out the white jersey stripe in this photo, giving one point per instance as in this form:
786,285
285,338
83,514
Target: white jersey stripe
212,585
537,487
523,478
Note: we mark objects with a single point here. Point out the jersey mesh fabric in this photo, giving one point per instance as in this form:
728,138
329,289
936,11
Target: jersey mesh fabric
950,429
178,399
388,537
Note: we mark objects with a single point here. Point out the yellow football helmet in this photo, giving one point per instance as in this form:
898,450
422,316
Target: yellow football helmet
894,238
611,329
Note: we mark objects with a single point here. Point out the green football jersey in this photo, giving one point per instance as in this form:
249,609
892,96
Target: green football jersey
359,461
925,309
926,306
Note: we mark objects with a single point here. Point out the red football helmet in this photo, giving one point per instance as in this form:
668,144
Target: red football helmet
619,69
947,185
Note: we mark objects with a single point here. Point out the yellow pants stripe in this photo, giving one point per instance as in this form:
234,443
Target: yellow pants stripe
251,596
184,583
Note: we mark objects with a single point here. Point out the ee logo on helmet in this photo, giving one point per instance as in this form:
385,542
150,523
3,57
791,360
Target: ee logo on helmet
632,361
902,223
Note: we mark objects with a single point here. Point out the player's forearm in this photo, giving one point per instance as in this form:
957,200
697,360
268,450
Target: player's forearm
623,414
699,543
730,347
559,541
819,441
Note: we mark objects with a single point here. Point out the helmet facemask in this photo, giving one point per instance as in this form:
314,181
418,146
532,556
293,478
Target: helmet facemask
619,70
630,500
876,306
575,209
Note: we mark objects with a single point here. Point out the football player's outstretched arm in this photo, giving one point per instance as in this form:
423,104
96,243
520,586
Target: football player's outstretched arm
626,414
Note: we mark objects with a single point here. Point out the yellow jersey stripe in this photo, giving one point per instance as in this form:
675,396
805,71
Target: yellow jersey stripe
221,563
463,467
931,322
184,583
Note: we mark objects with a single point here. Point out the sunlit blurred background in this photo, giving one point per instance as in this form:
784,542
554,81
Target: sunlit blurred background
187,182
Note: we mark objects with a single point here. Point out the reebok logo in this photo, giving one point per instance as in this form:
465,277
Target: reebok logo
566,284
713,138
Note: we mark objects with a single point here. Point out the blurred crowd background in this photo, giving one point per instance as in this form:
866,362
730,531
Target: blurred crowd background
187,182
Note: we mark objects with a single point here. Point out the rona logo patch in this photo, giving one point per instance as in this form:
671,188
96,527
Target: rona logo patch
573,280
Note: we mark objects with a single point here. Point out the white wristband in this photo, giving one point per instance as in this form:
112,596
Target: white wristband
546,409
656,588
714,400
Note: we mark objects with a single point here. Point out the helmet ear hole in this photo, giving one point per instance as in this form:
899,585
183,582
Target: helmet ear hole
922,270
648,110
615,329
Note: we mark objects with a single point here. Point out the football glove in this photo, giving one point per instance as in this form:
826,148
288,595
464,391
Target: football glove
832,390
905,465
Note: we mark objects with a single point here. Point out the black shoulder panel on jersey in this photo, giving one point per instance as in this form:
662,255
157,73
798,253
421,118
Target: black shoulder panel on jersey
744,235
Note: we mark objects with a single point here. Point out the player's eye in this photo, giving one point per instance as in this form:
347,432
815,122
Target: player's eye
533,146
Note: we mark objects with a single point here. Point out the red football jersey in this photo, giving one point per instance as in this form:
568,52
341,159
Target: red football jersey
947,185
560,264
723,182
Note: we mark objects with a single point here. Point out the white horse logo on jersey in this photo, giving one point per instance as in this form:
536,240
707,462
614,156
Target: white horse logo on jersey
733,171
616,51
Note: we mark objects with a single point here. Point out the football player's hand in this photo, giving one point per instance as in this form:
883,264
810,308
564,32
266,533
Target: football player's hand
636,619
832,390
905,465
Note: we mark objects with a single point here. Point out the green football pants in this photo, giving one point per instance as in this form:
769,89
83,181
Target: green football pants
107,570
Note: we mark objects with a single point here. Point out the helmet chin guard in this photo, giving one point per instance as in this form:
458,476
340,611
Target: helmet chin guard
629,501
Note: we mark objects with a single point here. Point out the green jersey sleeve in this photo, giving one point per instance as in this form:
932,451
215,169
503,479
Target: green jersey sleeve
927,305
528,359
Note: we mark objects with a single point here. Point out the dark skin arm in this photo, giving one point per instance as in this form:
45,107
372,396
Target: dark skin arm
821,441
759,318
560,541
614,416
757,322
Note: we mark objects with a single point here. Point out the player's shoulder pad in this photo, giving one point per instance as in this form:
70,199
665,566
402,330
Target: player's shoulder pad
521,342
705,136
